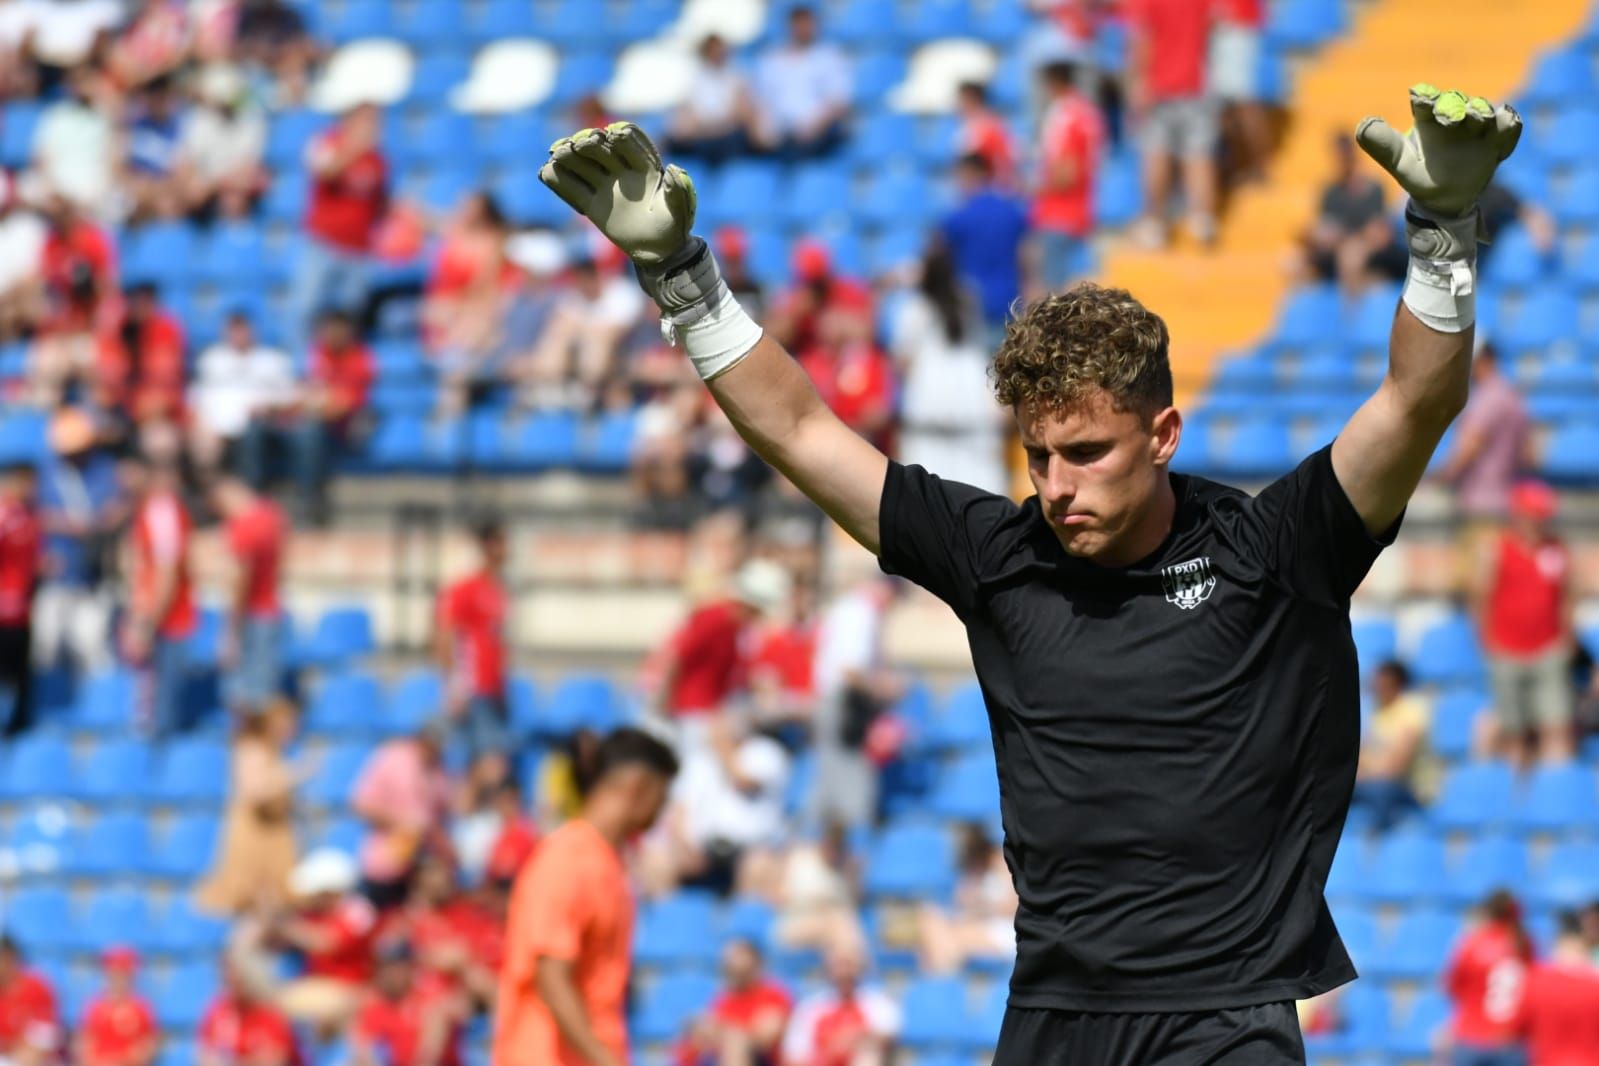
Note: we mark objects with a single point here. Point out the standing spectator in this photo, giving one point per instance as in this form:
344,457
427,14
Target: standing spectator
236,379
74,146
325,418
984,134
1560,1004
563,986
1525,605
853,689
949,422
242,1027
21,554
152,137
252,645
1166,86
744,1024
30,1026
849,1023
161,612
403,795
119,1028
349,197
987,235
333,930
468,293
1485,978
1351,227
407,1020
981,924
1072,143
1234,78
81,506
1493,440
257,849
704,658
579,350
805,87
78,271
219,170
142,372
715,121
469,644
1394,768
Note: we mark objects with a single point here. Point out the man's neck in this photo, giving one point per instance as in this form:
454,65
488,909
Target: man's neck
607,822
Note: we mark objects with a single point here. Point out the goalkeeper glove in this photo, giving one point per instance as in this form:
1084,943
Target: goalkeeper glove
1443,163
616,179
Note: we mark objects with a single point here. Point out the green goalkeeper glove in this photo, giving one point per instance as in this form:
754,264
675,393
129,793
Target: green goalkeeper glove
616,179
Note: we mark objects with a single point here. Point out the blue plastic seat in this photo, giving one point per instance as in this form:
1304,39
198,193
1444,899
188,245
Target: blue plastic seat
181,1000
814,193
1570,139
876,73
181,929
342,834
1118,192
192,772
545,441
418,697
571,25
1558,77
342,634
746,918
1568,876
1326,368
1491,861
931,19
1376,640
114,845
434,28
935,1014
967,789
1571,454
39,919
437,73
1418,946
677,932
18,123
1515,262
116,772
1358,929
185,850
1365,1011
1475,797
962,722
1406,867
38,840
1416,1033
862,22
606,444
335,775
1309,317
1300,25
161,252
233,252
1448,653
747,189
284,202
915,861
1573,205
665,1011
352,20
578,701
1256,448
579,74
1538,319
1559,799
1346,880
118,917
499,19
1454,718
36,768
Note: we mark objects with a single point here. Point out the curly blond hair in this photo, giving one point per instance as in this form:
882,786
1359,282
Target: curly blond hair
1071,343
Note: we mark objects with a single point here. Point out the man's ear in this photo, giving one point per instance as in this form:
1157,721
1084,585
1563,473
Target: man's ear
1166,429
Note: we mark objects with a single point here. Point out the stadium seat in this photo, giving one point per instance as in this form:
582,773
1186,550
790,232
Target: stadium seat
1559,799
182,998
35,768
184,851
677,931
192,772
1569,141
36,843
1310,316
342,634
967,789
329,786
578,701
1118,192
117,917
437,27
1448,653
181,929
1516,262
816,192
1367,323
1302,25
1568,876
347,705
1571,454
1474,797
1406,867
1536,321
1417,947
115,772
935,1014
524,704
962,723
1358,929
1351,869
417,698
161,253
1558,77
106,703
18,122
665,1009
910,862
1454,718
110,846
1416,1033
39,919
1376,640
1490,861
1257,448
749,919
606,445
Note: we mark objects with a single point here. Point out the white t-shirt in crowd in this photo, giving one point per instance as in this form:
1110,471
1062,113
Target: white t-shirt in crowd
716,810
22,235
715,97
65,30
232,383
952,423
877,1009
216,145
798,84
619,303
17,19
73,149
848,640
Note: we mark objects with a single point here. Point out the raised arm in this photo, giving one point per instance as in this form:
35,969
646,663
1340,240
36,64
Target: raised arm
1444,163
616,178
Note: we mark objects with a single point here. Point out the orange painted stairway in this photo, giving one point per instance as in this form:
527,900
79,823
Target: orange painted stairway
1227,297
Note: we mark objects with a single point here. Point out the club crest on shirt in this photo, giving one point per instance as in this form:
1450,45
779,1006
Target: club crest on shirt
1188,584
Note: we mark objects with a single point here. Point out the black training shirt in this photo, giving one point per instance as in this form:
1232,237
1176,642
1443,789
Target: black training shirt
1176,740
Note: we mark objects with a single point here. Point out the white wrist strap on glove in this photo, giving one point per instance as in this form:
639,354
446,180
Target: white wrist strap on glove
698,310
1441,287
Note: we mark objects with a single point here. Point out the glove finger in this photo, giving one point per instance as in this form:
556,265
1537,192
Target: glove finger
1507,130
570,187
1382,142
681,195
570,155
1450,109
1422,99
596,151
633,146
1479,116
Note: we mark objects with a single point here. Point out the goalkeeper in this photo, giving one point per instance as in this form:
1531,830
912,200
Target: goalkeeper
1167,662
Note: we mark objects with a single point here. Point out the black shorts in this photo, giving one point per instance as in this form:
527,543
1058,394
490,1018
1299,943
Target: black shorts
1265,1035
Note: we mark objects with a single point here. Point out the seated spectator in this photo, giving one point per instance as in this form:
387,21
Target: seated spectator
817,891
491,827
516,837
30,1024
78,269
141,366
468,291
152,133
74,146
724,473
981,922
847,1024
743,1026
403,796
242,1026
1395,772
407,1019
161,615
579,350
1560,1001
22,237
1233,74
332,929
805,88
326,418
470,648
716,120
19,78
256,854
348,199
218,168
1178,114
81,506
251,655
983,133
796,317
733,256
987,234
1073,139
950,423
782,678
663,452
270,38
152,44
854,377
1524,603
118,1028
854,689
1489,959
442,927
1351,227
1500,206
236,379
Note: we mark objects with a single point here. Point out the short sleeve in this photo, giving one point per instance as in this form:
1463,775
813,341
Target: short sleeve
935,532
556,909
1304,531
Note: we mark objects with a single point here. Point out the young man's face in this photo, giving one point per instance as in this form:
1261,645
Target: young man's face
394,978
740,966
647,795
1097,471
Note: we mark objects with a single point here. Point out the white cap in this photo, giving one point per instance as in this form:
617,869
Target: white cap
539,252
763,584
324,870
221,84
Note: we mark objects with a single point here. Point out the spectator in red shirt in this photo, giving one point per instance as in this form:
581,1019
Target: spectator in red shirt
854,377
1525,606
325,418
705,658
141,365
1178,115
469,643
252,645
348,199
161,613
1235,44
1560,1005
444,928
849,1023
797,318
1485,979
1073,138
30,1027
119,1028
744,1024
21,552
407,1020
983,132
240,1028
77,266
332,928
782,666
